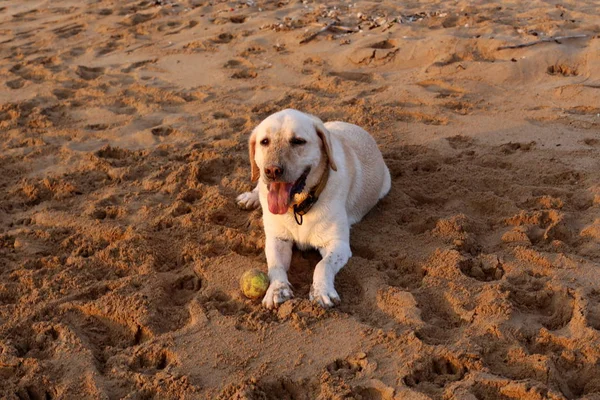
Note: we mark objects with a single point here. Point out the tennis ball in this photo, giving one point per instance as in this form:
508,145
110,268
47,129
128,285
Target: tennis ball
254,284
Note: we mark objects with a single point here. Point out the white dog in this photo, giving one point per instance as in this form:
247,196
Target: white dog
314,181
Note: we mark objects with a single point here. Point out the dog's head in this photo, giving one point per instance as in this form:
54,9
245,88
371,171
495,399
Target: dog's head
289,151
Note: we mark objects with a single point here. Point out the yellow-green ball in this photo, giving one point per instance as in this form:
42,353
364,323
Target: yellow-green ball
254,284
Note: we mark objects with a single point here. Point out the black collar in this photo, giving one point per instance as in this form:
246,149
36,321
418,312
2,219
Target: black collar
313,195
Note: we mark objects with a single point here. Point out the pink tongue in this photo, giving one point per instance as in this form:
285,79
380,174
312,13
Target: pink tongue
279,197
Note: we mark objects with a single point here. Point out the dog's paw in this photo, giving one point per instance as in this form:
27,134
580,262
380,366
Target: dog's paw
325,297
248,200
277,293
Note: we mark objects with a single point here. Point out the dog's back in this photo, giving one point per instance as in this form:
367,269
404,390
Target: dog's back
370,177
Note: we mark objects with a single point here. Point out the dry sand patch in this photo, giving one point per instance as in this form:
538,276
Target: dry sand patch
123,130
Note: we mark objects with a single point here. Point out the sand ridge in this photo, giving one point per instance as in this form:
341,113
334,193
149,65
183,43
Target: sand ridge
123,131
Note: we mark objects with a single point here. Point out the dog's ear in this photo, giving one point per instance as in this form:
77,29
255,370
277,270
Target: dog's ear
326,138
255,171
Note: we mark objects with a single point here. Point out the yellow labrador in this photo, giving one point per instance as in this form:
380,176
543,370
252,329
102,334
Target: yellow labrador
314,181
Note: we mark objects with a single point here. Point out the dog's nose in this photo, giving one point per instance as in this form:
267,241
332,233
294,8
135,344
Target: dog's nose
274,172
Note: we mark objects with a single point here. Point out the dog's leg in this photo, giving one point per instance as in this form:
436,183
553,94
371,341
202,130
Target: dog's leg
279,256
249,200
335,256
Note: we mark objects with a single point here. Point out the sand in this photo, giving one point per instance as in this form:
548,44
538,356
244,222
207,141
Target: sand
123,144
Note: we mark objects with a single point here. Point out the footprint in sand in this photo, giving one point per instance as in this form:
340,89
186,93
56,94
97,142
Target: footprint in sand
533,295
184,288
543,226
459,107
460,142
152,360
238,19
34,74
245,74
111,46
223,38
252,50
169,26
139,18
443,323
361,77
510,147
221,115
562,69
233,63
384,45
593,313
162,131
64,10
77,51
69,30
97,127
415,116
63,94
25,15
376,53
348,367
222,303
16,83
115,153
484,268
442,88
404,274
190,195
122,108
576,374
89,73
434,374
245,69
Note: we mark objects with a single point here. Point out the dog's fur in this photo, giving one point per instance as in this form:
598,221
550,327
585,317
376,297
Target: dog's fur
358,178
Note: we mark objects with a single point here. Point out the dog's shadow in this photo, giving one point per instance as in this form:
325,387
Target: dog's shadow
301,270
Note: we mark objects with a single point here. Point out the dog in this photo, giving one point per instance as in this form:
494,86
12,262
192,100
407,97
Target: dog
314,181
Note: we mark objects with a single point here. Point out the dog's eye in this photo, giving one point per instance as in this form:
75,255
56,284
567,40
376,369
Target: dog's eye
297,141
264,142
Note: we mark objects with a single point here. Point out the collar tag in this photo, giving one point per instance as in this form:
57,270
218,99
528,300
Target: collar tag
303,208
313,196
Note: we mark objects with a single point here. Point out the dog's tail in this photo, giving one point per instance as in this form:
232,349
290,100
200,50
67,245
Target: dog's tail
387,183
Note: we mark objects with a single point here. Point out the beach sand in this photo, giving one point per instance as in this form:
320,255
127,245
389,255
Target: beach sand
123,145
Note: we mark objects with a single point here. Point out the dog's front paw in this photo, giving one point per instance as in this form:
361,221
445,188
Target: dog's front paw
248,200
277,293
324,296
